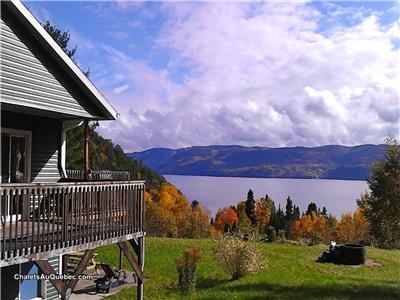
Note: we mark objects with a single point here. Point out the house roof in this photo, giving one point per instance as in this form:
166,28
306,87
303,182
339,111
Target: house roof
36,29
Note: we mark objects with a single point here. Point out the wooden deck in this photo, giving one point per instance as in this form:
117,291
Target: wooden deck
51,218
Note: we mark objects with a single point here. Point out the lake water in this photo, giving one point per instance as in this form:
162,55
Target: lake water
338,196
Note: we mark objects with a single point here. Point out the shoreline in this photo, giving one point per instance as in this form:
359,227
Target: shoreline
261,177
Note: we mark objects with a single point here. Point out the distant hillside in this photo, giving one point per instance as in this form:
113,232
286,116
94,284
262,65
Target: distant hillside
333,162
107,156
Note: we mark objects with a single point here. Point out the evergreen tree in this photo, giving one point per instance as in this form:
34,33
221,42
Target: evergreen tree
274,218
289,209
280,218
324,212
62,39
296,214
250,205
381,206
289,218
312,207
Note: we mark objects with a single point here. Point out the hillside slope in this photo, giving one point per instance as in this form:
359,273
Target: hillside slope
333,162
107,156
291,272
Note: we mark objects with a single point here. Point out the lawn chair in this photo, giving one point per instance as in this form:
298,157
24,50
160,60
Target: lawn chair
110,277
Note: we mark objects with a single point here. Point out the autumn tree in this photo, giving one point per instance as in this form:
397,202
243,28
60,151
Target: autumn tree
168,212
158,221
199,221
352,228
381,205
244,223
225,219
311,227
262,215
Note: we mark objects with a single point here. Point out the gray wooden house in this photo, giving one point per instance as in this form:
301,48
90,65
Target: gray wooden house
44,214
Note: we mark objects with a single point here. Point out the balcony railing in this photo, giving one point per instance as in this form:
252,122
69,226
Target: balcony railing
98,175
36,218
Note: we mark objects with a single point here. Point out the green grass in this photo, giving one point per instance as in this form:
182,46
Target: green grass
291,273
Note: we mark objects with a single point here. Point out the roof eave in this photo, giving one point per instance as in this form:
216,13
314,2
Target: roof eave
23,14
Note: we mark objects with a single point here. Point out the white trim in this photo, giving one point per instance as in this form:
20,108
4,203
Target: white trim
28,147
69,64
66,126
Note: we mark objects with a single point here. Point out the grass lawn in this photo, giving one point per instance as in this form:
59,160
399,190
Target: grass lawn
291,273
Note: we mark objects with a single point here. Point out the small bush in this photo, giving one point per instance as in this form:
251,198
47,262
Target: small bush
237,257
270,234
280,236
186,266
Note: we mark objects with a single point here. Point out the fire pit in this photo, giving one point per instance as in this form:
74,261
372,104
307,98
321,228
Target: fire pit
347,254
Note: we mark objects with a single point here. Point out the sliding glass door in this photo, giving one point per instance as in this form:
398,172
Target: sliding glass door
15,155
15,165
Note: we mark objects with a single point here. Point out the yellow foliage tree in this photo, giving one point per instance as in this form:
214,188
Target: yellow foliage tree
244,222
262,215
352,228
199,222
167,212
310,226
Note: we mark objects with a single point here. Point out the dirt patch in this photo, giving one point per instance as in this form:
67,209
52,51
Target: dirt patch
368,263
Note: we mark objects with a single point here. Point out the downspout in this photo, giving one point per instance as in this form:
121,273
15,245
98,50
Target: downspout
66,126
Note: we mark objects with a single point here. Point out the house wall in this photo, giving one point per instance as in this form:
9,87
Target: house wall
32,78
45,143
44,164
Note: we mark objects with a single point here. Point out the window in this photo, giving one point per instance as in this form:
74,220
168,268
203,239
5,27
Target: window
15,155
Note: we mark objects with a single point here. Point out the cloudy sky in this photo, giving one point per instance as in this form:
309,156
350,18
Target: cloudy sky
268,74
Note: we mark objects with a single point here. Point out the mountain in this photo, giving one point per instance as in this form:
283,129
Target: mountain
333,161
107,156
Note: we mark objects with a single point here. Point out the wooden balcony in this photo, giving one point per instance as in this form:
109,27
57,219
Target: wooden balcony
44,220
98,175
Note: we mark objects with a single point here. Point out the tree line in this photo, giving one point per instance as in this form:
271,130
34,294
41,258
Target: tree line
376,220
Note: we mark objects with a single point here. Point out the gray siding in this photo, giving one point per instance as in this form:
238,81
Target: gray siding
45,143
30,77
51,292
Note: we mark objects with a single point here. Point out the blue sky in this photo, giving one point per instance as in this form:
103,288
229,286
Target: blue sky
268,74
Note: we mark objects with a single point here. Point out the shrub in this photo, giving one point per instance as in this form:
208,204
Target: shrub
237,257
270,234
186,266
281,236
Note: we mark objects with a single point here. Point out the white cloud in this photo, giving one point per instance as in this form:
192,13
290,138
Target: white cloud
260,74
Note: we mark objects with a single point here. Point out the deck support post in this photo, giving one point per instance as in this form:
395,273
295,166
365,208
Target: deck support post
87,256
63,288
140,255
137,265
48,270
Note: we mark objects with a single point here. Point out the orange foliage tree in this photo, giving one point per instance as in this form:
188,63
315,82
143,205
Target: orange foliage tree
244,222
226,217
352,228
262,215
311,226
168,213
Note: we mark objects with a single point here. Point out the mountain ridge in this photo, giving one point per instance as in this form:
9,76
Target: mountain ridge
325,162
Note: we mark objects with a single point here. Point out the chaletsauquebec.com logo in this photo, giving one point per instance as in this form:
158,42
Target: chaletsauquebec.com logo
51,277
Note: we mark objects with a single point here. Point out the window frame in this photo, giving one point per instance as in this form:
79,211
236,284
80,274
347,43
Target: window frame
27,134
